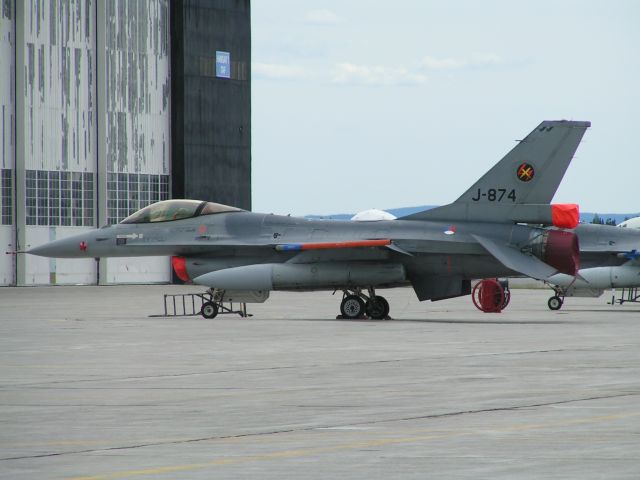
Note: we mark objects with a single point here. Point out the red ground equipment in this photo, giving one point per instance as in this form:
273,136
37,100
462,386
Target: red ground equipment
491,295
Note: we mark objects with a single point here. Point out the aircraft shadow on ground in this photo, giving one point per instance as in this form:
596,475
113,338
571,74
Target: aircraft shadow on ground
609,310
425,320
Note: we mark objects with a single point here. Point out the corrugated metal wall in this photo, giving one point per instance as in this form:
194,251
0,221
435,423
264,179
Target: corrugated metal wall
138,122
56,154
86,97
60,85
7,146
59,131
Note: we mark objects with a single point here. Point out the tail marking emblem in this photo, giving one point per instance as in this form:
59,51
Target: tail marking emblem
525,172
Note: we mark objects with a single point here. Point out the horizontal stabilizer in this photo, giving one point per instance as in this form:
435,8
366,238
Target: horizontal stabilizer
516,260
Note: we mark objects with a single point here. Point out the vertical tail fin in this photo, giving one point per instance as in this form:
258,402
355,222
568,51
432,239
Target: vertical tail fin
523,183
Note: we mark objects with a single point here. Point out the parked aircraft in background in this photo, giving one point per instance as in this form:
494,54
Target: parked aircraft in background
610,258
631,223
484,233
373,215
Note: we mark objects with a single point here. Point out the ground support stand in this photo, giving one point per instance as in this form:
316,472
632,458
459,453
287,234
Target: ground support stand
193,304
627,295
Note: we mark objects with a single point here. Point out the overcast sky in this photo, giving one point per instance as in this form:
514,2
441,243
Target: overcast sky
370,104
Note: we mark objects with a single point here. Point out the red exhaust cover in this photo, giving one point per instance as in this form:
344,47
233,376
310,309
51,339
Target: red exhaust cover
565,215
562,252
179,265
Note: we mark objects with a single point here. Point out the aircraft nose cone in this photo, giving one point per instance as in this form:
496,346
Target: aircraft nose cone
63,248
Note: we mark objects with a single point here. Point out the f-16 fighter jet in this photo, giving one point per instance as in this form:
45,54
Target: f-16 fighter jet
501,226
610,258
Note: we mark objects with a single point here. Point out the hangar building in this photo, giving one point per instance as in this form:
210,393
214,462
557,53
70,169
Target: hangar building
109,105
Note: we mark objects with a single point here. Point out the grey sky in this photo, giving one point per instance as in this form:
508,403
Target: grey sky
364,104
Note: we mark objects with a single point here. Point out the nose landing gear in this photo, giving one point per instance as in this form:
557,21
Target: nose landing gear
209,310
555,302
356,304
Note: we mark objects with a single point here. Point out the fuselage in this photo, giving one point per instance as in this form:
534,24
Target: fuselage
416,248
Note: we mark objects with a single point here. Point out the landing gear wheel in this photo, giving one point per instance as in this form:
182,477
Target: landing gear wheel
555,303
377,308
351,307
209,310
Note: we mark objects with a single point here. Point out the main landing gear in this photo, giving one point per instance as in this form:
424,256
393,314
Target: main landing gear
356,304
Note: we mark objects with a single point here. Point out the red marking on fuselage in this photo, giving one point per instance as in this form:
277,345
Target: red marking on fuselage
179,265
83,246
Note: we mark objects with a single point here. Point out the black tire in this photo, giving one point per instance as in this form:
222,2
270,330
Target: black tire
555,303
507,298
352,307
377,308
209,310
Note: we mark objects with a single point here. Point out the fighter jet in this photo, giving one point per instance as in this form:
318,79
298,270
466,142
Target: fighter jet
609,257
503,225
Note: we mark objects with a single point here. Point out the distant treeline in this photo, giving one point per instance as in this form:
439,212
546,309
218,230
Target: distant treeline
606,219
598,220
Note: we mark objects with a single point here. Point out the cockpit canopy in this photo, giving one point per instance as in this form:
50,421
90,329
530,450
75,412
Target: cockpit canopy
169,210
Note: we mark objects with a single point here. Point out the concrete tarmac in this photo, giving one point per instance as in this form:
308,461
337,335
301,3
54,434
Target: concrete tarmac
93,387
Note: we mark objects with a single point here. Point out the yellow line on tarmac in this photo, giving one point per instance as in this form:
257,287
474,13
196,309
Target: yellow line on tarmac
303,452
